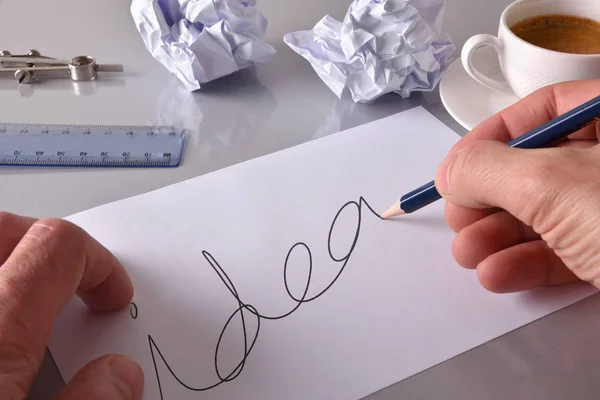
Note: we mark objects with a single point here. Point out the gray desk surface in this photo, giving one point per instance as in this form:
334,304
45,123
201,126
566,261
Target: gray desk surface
247,115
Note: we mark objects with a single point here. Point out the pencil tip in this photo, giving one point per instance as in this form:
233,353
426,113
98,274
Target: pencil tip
393,211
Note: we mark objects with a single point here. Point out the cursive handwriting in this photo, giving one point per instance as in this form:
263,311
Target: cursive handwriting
245,312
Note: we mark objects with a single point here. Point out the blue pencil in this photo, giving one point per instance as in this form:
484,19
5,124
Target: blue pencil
543,136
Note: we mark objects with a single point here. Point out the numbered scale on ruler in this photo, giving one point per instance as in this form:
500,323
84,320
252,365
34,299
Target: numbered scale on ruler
91,146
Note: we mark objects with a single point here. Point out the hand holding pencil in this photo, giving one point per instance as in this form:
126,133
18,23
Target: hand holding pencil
545,135
526,214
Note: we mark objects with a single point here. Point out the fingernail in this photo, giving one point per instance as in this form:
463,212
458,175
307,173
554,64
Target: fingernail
442,178
128,376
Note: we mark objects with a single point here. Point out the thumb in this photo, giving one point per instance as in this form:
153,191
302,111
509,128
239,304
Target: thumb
112,377
537,186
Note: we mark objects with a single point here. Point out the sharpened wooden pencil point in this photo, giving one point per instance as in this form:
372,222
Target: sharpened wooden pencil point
393,211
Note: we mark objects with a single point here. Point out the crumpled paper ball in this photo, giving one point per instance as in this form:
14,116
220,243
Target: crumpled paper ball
382,46
202,40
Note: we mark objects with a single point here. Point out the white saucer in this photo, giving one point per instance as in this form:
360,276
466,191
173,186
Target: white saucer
467,101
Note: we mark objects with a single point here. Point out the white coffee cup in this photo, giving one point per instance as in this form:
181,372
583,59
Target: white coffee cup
527,67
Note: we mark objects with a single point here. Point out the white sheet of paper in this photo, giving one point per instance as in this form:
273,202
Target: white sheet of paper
400,305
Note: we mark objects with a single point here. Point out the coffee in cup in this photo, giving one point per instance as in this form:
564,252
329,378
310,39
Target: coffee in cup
563,33
540,43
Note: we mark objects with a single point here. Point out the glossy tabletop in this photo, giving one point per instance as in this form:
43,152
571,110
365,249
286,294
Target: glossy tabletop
243,116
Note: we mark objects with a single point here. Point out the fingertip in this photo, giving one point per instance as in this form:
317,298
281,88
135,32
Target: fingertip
107,285
128,373
523,267
110,377
491,278
462,253
114,293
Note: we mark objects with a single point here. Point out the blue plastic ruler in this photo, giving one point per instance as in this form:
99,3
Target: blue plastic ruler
91,145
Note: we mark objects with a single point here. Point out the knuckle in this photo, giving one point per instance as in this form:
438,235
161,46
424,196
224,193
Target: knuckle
57,225
469,153
554,183
476,171
58,229
51,247
473,160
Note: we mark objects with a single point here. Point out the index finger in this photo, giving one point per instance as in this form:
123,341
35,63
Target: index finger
52,262
535,110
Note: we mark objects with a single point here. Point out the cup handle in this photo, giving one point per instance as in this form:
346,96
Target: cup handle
473,44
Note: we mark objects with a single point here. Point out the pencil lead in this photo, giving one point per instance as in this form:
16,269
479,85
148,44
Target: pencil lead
393,211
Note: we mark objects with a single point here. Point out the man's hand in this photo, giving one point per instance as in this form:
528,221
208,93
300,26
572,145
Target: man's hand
526,218
43,264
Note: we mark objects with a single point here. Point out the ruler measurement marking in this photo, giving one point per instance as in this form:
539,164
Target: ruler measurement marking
91,145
